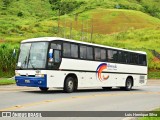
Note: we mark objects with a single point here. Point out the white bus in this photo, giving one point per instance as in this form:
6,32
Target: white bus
63,63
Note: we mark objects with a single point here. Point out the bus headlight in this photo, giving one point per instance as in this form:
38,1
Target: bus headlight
39,75
17,74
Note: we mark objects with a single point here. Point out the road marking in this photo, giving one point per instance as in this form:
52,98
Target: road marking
73,98
15,89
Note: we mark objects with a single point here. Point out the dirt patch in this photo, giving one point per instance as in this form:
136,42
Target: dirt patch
155,59
108,22
2,41
153,82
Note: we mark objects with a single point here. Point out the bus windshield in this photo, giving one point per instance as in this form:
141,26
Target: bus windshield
33,55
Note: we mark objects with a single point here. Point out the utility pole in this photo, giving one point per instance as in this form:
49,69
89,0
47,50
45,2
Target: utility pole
91,30
71,30
58,22
64,26
87,30
82,31
76,19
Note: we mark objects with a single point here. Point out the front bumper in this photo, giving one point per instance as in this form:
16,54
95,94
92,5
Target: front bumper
31,81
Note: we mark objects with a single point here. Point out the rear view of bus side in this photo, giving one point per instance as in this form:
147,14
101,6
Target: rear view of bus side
62,63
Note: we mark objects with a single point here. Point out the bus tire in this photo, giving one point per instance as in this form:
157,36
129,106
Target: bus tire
122,88
44,89
69,85
107,88
129,84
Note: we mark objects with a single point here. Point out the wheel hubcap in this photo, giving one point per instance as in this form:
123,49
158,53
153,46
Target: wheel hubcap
129,84
70,85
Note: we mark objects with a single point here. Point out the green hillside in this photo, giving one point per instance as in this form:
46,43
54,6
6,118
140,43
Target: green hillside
109,21
130,24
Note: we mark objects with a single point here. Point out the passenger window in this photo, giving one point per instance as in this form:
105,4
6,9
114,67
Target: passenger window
97,53
133,58
74,51
142,60
120,57
112,55
83,52
90,53
103,54
136,59
124,57
66,50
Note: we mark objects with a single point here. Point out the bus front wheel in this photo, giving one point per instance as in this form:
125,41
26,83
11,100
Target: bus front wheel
44,89
69,85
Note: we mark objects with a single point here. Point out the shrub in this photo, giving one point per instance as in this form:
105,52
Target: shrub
20,14
65,7
7,60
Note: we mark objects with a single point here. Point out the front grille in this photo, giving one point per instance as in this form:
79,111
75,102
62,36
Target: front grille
28,75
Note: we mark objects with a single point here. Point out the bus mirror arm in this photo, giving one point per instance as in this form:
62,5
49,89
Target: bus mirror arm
14,53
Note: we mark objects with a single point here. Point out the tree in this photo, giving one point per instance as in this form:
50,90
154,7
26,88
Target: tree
65,6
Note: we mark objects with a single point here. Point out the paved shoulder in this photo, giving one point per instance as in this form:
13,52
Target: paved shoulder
153,82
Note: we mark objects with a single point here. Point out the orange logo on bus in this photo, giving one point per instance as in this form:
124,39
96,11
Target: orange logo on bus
99,71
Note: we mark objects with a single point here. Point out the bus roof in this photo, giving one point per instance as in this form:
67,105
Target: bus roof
40,39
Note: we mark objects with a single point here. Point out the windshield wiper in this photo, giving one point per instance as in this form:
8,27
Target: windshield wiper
29,61
23,63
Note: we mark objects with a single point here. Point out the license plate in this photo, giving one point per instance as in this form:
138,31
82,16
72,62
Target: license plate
27,81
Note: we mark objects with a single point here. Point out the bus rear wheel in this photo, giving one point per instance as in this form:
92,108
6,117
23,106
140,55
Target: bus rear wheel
107,88
69,85
44,89
129,84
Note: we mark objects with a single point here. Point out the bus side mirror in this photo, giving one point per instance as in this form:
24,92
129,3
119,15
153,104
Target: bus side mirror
14,53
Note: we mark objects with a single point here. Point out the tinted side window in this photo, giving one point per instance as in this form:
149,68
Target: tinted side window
136,59
74,51
124,57
112,55
120,57
83,52
103,54
55,46
142,60
97,53
133,58
89,53
66,50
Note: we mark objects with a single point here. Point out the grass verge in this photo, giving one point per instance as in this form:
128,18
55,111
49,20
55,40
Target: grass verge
154,74
151,118
6,81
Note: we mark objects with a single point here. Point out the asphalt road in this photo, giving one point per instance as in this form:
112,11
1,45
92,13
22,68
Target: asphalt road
13,98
